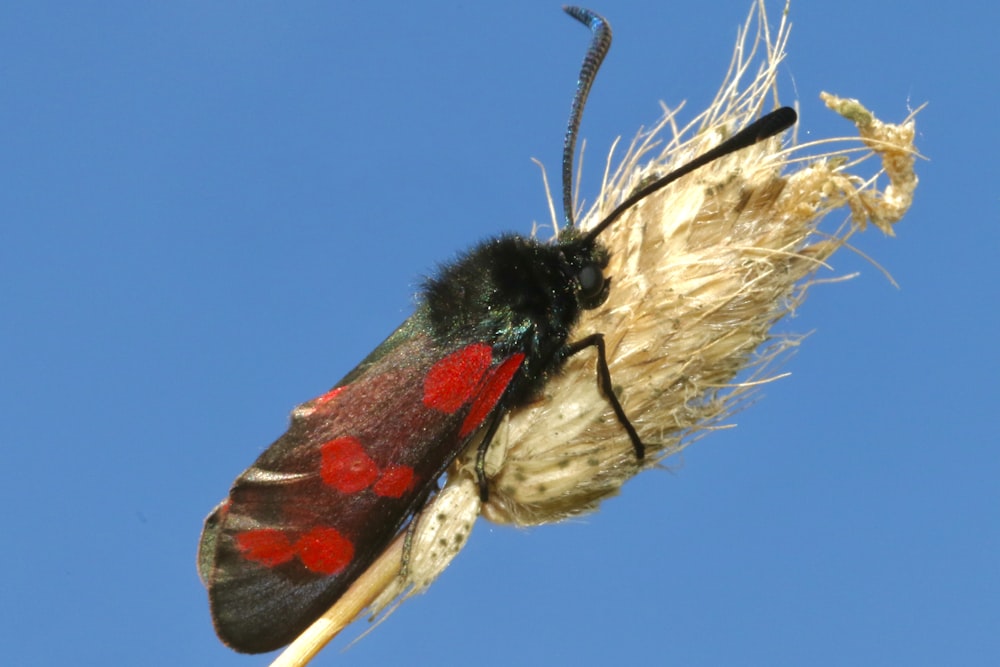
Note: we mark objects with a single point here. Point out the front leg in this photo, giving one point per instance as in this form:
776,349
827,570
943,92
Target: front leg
604,384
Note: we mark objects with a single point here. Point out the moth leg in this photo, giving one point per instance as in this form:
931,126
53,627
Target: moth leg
604,384
484,444
411,530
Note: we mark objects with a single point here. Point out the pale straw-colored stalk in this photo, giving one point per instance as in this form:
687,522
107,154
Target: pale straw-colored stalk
701,271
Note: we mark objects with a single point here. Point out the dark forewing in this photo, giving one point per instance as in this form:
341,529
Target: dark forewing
326,498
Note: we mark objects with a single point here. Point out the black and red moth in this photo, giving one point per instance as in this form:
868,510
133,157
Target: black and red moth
359,462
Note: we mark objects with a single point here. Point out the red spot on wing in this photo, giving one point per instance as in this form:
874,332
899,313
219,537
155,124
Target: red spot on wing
394,482
345,466
329,396
267,546
308,408
451,382
492,390
324,550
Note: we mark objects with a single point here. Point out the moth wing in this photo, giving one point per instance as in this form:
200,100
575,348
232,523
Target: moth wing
320,504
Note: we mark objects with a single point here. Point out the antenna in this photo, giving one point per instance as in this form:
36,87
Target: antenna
765,127
599,46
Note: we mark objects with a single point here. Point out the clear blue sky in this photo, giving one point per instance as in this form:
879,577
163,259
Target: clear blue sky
212,211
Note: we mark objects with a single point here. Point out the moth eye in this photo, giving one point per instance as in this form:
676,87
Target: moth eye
591,279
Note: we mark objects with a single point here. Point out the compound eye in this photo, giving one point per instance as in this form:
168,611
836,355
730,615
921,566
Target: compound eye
591,279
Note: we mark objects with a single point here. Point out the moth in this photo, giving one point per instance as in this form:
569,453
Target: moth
359,462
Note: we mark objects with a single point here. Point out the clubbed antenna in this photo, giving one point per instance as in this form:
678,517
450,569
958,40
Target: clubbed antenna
599,46
773,123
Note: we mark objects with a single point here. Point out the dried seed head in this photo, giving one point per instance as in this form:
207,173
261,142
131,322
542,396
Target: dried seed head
701,271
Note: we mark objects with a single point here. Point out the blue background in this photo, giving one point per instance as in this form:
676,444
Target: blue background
212,211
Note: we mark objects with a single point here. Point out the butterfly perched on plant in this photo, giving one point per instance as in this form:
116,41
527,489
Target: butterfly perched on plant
359,462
